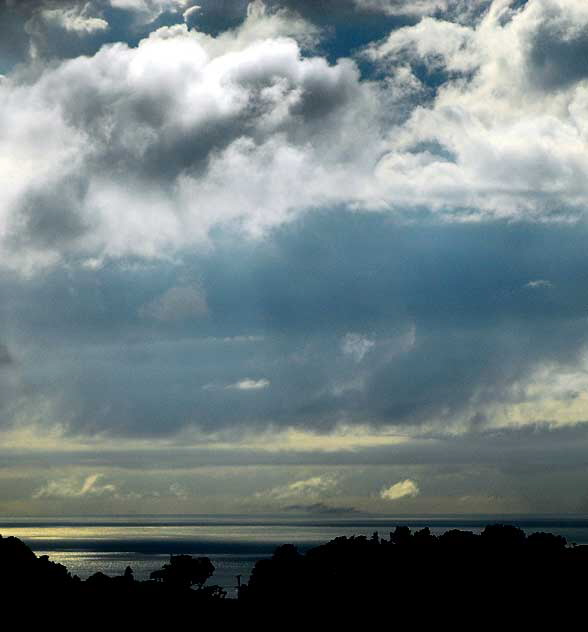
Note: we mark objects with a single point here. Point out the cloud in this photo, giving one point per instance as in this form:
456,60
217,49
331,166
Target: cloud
400,7
556,37
75,28
440,44
240,118
402,489
539,283
176,304
315,487
235,122
350,225
249,385
500,138
191,12
72,488
179,491
218,149
457,338
149,10
73,20
356,346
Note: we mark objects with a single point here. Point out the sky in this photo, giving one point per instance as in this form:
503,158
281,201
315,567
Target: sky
318,256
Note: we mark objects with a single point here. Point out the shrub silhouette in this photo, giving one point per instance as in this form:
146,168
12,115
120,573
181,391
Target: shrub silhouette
184,571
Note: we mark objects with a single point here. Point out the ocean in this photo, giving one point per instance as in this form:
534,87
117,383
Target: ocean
233,543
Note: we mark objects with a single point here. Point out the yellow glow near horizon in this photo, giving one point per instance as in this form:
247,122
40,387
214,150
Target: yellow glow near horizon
34,438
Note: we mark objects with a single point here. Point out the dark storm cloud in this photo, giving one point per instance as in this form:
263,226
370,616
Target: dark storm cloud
557,53
446,321
175,149
166,145
50,217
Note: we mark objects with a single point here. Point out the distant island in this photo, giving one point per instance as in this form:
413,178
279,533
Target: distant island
456,574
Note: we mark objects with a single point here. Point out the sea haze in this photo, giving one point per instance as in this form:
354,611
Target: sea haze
87,544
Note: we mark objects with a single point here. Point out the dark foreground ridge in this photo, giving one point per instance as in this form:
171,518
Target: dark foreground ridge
412,577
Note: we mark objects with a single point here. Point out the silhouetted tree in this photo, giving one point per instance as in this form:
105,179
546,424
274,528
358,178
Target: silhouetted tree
547,542
401,535
185,571
503,535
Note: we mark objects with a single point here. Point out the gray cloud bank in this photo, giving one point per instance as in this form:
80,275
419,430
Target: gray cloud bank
450,333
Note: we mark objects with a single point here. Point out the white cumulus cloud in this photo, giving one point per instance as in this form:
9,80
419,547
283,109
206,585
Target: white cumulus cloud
310,489
73,20
505,135
402,489
74,488
209,132
248,384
